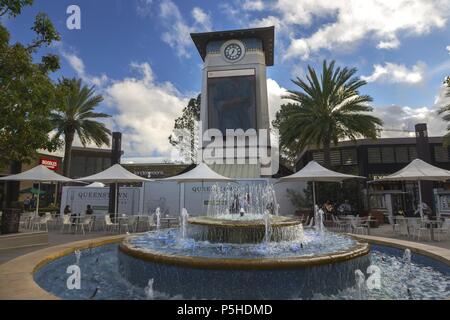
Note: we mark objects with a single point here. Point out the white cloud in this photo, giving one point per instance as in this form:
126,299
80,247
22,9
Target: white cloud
253,5
146,110
202,19
355,20
178,30
389,44
274,94
395,73
78,66
448,49
397,118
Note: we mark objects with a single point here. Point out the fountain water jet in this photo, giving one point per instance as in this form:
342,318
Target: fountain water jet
158,218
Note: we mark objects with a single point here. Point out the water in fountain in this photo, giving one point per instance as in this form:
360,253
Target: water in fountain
267,234
158,218
407,261
318,219
149,294
183,225
77,256
360,284
227,202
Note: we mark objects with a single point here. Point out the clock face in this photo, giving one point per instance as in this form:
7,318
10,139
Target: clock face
233,51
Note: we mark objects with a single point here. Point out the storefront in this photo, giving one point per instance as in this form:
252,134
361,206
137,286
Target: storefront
28,189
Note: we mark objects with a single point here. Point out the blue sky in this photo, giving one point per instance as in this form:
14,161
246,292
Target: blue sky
139,54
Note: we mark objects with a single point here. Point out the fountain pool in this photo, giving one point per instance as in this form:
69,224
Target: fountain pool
102,278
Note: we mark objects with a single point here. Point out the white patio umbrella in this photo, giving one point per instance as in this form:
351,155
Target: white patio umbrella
418,170
201,173
314,172
114,175
38,174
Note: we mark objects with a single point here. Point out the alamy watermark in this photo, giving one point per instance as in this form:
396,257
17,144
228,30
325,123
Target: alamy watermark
234,146
73,21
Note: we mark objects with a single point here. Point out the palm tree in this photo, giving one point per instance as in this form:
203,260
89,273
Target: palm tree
446,109
326,110
76,116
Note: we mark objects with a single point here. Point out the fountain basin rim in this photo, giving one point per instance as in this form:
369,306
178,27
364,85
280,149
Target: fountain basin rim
360,249
275,221
20,270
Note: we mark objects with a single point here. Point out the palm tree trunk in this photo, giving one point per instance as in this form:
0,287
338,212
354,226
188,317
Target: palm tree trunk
327,153
68,139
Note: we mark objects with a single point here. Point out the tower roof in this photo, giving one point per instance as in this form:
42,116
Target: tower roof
266,35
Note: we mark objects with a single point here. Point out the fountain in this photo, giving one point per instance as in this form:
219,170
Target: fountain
360,284
149,294
158,218
243,243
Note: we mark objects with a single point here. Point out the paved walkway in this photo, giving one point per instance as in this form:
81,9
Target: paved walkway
54,238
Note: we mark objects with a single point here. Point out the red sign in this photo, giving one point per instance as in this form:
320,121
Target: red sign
51,164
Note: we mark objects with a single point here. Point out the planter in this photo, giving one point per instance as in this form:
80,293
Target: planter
10,221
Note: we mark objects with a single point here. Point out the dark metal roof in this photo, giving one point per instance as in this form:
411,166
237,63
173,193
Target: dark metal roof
266,35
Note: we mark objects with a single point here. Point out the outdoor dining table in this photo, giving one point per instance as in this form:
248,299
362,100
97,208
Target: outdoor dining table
168,220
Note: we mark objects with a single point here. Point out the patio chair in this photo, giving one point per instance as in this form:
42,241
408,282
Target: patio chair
340,225
357,227
25,220
151,224
66,222
419,229
395,226
86,223
443,230
109,224
132,222
41,221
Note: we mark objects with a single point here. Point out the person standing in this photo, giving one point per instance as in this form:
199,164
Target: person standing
26,203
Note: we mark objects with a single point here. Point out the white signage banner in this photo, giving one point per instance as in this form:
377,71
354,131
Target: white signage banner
98,198
166,195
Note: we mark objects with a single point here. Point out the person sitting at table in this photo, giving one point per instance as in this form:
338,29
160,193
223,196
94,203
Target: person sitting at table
345,208
67,210
425,210
328,209
89,210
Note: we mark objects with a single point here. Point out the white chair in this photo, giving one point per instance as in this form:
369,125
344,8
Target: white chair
25,220
132,222
419,229
66,222
395,226
443,230
357,227
151,224
112,226
41,221
340,225
86,222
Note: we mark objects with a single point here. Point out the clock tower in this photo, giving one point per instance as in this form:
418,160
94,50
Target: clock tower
234,93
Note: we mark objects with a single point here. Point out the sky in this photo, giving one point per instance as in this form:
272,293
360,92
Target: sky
140,57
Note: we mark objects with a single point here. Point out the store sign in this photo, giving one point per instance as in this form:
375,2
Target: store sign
49,163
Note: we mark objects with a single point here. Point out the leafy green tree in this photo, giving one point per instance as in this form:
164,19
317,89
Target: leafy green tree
185,133
445,112
76,116
13,8
27,94
326,109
